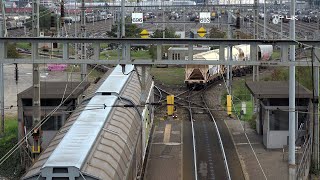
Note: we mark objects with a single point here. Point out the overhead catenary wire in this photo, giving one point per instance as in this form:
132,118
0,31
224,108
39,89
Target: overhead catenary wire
17,145
250,144
279,33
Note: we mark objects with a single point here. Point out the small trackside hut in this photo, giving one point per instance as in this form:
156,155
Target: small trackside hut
273,114
52,94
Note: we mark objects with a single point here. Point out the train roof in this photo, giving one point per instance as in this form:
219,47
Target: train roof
97,141
214,54
116,80
82,135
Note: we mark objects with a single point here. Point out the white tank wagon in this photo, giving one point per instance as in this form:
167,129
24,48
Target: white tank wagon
203,74
104,139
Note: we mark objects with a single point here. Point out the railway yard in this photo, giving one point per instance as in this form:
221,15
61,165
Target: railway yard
125,124
199,116
304,30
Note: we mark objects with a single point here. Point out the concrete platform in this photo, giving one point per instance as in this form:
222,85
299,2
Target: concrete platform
165,156
263,164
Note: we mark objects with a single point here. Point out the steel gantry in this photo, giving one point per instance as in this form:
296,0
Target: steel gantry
132,42
222,43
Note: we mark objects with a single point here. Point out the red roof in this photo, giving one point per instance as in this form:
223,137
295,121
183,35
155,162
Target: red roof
18,10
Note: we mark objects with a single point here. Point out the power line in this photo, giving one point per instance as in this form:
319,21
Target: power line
39,124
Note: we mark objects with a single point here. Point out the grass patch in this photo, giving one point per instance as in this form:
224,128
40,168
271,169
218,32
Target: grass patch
11,167
303,75
169,76
24,45
275,55
249,110
11,130
113,55
77,68
240,94
110,55
140,55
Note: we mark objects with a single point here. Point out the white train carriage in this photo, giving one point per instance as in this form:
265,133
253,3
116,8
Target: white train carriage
202,74
103,140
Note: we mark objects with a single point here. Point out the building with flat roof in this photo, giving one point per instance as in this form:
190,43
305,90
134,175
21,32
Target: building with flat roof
272,111
52,95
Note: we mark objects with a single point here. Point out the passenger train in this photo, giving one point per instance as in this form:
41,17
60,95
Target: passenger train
107,138
203,74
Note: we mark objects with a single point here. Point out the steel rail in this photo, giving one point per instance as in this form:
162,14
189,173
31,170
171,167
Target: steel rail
220,140
193,141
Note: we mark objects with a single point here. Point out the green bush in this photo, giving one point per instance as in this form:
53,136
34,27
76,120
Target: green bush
252,121
303,75
12,51
240,91
11,168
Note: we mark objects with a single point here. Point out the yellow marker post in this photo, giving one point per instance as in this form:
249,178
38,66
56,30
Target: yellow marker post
229,105
170,105
36,149
36,141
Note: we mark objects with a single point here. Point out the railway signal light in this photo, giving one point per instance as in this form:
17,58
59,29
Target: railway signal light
16,70
52,20
191,34
62,13
238,23
170,105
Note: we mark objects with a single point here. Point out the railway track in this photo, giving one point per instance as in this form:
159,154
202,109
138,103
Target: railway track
304,30
96,29
210,161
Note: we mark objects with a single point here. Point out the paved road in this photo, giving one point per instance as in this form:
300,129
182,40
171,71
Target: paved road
25,81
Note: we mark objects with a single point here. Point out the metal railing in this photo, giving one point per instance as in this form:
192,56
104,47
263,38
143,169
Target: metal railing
304,163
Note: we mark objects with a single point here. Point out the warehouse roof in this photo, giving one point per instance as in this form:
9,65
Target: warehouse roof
51,90
276,89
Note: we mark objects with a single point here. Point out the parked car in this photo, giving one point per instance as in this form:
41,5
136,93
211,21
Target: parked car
174,15
248,17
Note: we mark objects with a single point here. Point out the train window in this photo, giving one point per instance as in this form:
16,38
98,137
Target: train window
60,178
49,124
178,56
172,56
60,170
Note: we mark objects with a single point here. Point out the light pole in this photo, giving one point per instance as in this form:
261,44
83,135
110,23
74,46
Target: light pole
292,98
264,21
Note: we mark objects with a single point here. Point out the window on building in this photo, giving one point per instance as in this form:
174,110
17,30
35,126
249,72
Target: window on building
28,122
52,124
178,56
279,120
172,56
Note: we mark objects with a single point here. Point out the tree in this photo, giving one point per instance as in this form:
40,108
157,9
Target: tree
12,51
216,33
44,19
169,33
132,31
